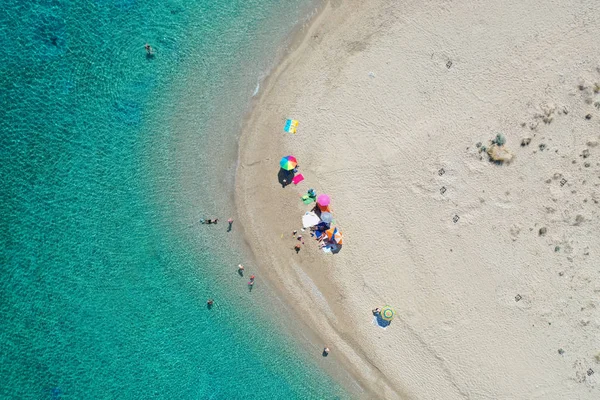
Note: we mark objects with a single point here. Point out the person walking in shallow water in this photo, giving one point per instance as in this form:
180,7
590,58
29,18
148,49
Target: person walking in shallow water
230,222
241,270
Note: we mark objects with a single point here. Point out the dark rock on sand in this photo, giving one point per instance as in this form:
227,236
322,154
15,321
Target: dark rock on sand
585,153
578,220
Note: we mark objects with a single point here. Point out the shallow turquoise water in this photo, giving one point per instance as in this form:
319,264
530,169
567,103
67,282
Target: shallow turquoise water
108,158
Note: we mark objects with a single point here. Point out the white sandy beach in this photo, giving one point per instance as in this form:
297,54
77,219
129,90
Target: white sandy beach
504,303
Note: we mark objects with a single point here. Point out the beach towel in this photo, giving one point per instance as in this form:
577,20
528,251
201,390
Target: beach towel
310,219
307,200
297,179
291,125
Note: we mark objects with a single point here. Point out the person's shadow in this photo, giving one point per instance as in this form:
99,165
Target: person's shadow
336,248
285,177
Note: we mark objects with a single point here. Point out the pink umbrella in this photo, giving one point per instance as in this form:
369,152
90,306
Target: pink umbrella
323,200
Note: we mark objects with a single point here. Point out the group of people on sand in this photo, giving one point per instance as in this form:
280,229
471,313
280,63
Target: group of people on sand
300,240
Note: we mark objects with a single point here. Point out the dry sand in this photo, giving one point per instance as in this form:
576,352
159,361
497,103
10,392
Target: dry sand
504,302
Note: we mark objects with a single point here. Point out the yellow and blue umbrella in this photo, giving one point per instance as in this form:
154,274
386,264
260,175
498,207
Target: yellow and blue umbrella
288,163
387,313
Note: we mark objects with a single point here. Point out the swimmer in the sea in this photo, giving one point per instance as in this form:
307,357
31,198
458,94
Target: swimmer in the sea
149,50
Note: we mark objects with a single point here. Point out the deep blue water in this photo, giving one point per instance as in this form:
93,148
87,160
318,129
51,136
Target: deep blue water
104,166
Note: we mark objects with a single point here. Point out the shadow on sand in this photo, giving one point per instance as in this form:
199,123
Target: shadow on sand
382,322
285,177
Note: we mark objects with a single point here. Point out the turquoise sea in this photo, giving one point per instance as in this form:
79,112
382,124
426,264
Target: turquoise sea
109,160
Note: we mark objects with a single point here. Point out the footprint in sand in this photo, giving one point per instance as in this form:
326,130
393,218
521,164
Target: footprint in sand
515,231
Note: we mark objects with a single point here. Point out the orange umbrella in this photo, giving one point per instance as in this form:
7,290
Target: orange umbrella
324,208
334,234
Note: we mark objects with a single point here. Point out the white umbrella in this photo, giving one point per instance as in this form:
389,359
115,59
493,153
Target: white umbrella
310,219
326,217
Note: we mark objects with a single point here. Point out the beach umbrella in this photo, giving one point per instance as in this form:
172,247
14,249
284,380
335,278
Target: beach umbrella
324,209
337,236
310,219
334,234
387,313
323,200
329,232
288,163
326,217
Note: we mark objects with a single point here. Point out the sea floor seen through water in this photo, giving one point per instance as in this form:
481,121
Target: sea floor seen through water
110,158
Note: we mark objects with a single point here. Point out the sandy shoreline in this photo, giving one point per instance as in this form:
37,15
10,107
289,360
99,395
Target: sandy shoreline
388,95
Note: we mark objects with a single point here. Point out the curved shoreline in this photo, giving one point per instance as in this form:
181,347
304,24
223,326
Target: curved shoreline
388,95
296,286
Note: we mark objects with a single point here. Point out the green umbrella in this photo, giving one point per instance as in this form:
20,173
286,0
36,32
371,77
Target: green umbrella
388,313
